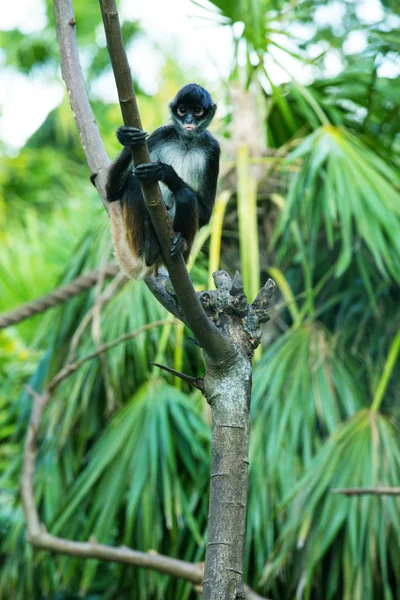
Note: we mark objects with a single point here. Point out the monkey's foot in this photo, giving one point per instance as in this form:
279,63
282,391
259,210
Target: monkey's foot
178,244
150,171
131,136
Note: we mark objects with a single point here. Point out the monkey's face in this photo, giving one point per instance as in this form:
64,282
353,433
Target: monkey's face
192,118
192,109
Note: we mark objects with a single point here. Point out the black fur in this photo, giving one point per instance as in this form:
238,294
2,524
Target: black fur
193,150
192,94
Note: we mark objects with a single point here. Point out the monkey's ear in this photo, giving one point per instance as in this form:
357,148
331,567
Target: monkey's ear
213,110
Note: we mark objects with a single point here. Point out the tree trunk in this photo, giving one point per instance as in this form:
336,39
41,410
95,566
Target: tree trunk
229,395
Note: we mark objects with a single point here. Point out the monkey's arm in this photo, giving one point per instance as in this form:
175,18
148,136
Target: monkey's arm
208,183
121,169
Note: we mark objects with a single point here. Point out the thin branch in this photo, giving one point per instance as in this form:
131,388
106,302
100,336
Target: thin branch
197,382
120,554
72,367
116,284
214,343
92,143
378,491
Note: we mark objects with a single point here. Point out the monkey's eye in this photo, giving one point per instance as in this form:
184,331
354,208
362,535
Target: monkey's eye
181,111
198,111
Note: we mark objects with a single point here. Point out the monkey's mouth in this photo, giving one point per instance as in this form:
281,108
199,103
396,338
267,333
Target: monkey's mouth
189,127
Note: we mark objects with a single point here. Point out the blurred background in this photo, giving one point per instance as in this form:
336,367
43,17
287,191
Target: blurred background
309,122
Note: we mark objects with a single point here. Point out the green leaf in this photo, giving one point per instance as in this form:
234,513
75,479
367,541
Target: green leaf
361,530
355,195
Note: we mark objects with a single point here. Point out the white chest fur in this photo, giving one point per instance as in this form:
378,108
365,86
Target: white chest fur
188,164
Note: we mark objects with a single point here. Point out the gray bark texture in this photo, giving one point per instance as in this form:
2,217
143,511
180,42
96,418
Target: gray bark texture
228,391
229,396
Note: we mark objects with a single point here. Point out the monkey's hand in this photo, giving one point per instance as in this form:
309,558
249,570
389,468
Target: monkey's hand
151,171
131,136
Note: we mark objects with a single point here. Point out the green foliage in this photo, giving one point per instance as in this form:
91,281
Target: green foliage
345,187
149,455
303,389
27,52
124,453
363,452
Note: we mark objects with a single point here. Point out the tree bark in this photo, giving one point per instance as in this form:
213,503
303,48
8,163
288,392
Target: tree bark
228,391
229,397
92,144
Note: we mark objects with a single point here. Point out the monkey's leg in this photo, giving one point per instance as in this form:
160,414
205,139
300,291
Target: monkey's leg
185,221
152,250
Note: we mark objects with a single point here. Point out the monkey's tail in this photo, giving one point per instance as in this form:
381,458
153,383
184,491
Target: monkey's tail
134,269
131,264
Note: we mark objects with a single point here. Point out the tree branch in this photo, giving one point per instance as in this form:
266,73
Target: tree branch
121,554
92,144
72,367
378,491
216,346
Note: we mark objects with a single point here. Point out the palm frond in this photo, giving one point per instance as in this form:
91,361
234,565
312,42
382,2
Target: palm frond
350,192
156,442
362,531
303,388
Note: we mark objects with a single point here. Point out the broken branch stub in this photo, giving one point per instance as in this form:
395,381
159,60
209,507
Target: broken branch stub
228,304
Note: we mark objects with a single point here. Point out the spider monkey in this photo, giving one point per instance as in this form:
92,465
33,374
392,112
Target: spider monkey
186,163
